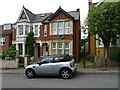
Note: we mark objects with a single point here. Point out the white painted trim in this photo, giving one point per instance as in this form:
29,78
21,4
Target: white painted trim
21,14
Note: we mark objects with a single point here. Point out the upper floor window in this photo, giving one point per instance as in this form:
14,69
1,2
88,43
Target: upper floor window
100,44
60,28
45,30
36,30
26,29
20,29
2,41
54,28
67,27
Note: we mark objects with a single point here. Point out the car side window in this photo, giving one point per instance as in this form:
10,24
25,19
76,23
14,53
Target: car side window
47,60
58,59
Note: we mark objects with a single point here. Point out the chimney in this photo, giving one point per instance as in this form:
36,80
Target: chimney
78,10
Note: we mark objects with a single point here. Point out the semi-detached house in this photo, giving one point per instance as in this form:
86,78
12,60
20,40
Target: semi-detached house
55,33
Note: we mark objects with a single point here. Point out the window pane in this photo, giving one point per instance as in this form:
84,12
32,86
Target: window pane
54,45
20,30
36,29
20,49
60,27
26,29
67,45
60,45
67,27
67,51
54,28
45,30
53,51
60,51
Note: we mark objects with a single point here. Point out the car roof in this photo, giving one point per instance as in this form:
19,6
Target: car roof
61,55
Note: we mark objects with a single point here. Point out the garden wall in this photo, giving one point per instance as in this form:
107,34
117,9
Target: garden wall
9,64
102,61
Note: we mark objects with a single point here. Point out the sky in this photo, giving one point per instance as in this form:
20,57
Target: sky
10,9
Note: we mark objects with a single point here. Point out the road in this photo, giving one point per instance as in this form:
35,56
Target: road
78,81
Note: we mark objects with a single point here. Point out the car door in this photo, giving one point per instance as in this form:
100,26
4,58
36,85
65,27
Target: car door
46,67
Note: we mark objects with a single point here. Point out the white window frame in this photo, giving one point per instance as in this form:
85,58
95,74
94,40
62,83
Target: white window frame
61,47
19,30
66,27
35,30
67,48
20,50
2,41
54,29
45,30
54,48
57,28
26,29
60,28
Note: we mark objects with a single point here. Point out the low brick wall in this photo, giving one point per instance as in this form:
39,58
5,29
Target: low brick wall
102,61
9,64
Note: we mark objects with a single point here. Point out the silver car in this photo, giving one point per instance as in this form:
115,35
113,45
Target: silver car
62,65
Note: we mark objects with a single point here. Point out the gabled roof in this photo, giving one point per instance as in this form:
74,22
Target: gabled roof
74,14
60,10
28,13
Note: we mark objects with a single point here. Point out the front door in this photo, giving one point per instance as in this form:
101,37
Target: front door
45,49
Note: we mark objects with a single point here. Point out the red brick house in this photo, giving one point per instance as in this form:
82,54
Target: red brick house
55,33
5,37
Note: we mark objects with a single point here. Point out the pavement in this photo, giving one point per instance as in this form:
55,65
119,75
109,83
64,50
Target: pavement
102,70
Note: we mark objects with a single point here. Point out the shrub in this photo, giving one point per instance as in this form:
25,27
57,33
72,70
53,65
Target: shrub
10,52
114,54
21,60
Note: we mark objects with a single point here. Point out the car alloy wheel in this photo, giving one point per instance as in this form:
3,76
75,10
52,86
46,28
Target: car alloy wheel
65,73
30,73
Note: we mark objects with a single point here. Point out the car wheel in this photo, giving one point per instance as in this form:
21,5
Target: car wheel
30,73
65,73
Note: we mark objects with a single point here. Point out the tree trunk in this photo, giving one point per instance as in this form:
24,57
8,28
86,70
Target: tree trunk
106,51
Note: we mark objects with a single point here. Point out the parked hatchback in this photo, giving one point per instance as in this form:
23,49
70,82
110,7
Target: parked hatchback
62,65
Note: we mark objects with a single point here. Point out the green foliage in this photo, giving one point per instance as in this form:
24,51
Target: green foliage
104,20
21,59
10,52
114,54
30,44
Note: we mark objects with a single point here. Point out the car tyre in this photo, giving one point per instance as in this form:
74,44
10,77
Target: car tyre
65,73
30,73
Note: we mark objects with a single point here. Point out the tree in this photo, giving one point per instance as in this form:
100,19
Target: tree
29,44
104,21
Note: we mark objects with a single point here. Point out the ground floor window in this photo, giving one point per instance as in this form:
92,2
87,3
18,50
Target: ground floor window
60,48
20,49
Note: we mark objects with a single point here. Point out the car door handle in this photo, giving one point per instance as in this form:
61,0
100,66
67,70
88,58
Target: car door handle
51,66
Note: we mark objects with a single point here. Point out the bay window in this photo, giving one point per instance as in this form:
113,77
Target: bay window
26,29
60,27
20,29
67,27
54,48
54,28
67,47
60,48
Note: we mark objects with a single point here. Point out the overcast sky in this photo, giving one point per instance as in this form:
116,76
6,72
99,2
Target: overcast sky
10,9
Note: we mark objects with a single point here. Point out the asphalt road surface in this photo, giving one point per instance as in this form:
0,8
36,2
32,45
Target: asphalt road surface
78,81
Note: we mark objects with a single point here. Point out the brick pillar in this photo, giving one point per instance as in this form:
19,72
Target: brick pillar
41,51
